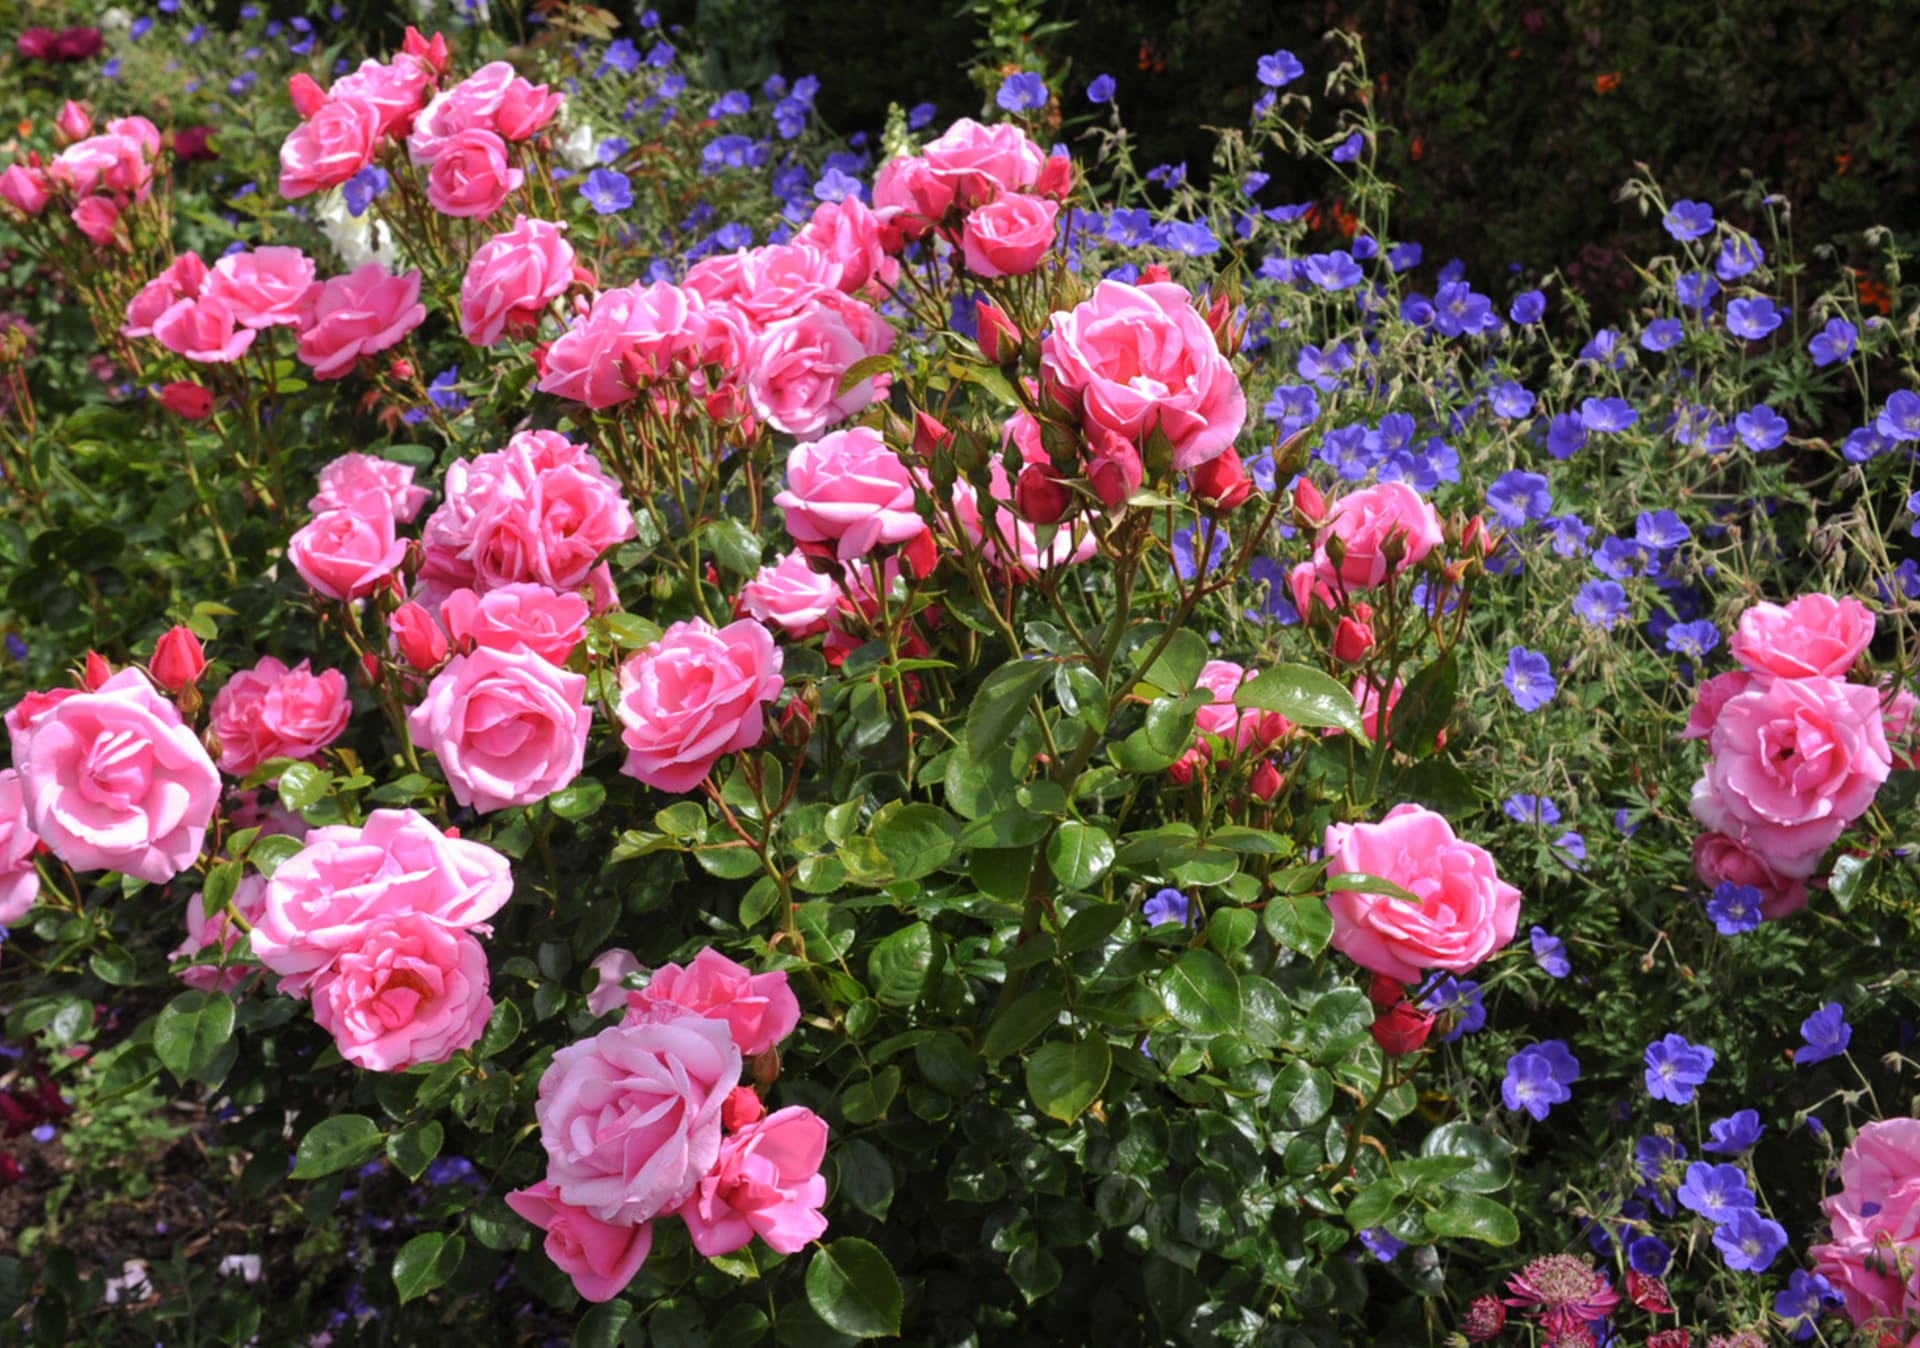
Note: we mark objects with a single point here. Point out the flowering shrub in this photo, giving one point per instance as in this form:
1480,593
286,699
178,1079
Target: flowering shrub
904,743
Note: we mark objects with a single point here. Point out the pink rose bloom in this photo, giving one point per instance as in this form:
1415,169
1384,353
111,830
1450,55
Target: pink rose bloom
508,727
19,881
1814,635
1718,859
612,968
271,711
533,618
791,596
264,288
850,490
324,898
1897,710
770,284
849,234
410,991
184,279
910,196
1709,697
104,163
139,130
343,554
760,1009
1794,762
471,177
203,330
1876,1225
1366,695
97,218
1009,540
216,933
24,189
1133,357
627,335
694,696
513,277
249,809
368,485
114,780
1466,911
978,163
1009,235
795,369
524,110
767,1183
600,1257
368,310
328,148
468,105
630,1118
1257,731
396,91
1363,521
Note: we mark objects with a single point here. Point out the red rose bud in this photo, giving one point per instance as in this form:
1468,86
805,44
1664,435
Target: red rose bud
1266,781
1155,274
1041,494
920,554
1221,483
741,1108
10,1171
71,123
434,53
1183,767
192,144
1113,468
1309,506
1401,1029
929,435
97,672
421,642
401,369
187,400
1353,638
1220,324
1384,991
999,338
540,359
36,44
1476,537
1056,178
178,659
307,95
796,722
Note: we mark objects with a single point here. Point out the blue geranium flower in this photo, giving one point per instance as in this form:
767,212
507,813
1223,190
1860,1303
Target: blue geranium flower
1279,69
1675,1068
1688,220
1735,1133
1753,319
1100,89
1529,679
1022,92
1833,343
1826,1033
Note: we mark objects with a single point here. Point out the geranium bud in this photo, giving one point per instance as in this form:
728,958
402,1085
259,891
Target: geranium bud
178,659
187,400
422,644
97,671
743,1106
1402,1029
71,123
1266,781
1385,991
1309,506
999,338
307,95
1221,483
1041,494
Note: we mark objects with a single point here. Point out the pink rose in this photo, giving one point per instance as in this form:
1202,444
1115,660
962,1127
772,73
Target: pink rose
264,288
328,148
368,310
513,277
791,596
627,335
1374,721
24,189
139,130
1465,910
600,1257
767,1183
216,933
324,898
471,177
849,234
1813,635
630,1118
849,489
1133,357
612,968
1010,540
1709,697
271,711
1897,708
98,219
759,1009
114,780
344,554
19,881
368,486
508,727
524,109
417,637
796,367
1255,731
113,162
533,618
394,91
1718,859
184,279
1875,1222
1364,521
910,197
770,284
978,163
468,105
694,696
409,991
1009,235
1794,762
203,330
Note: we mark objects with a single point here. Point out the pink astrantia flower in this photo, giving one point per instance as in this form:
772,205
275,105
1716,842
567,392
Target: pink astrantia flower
767,1183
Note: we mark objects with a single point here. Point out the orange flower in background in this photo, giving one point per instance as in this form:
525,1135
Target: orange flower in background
1418,149
1873,295
1607,83
1842,162
1345,219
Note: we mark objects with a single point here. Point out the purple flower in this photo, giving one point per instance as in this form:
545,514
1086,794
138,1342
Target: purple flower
1649,1256
607,191
1404,256
1603,348
1864,443
1380,1244
1688,220
1565,435
1761,428
921,115
1654,1153
1511,401
1518,498
1735,1133
1528,305
1549,952
1526,808
1661,334
1279,69
1460,999
1695,291
621,55
733,103
1100,90
1738,256
1602,415
1660,530
1601,602
1348,150
1753,319
1332,271
360,190
1569,534
1749,1242
1675,1067
1538,1078
1693,639
1186,562
1734,908
1900,420
1716,1192
1458,310
1022,92
1833,343
1169,905
1806,1298
1529,679
1826,1033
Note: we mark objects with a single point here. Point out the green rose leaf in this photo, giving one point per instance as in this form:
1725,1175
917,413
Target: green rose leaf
191,1030
852,1287
1474,1217
425,1262
336,1144
1304,696
1064,1079
1202,993
1002,703
1079,854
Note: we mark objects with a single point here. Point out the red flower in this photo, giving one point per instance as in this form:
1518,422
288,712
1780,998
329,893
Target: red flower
184,398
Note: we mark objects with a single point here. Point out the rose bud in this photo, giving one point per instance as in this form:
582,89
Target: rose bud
929,435
178,659
187,400
1309,506
421,642
401,369
434,53
96,673
1384,991
1476,537
71,123
999,338
1056,178
1266,781
1041,494
920,554
1113,468
1154,274
1353,638
1220,324
1402,1029
307,95
192,144
1221,483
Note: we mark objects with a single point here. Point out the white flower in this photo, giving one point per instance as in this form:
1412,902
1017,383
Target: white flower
357,239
